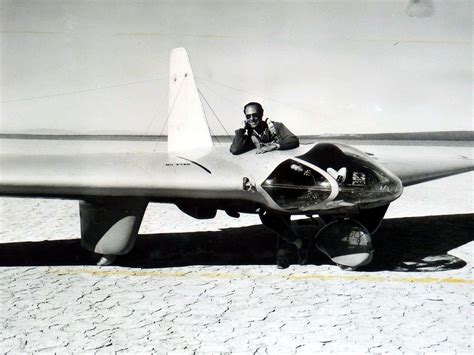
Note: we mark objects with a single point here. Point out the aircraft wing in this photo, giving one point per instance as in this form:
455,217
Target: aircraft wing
110,174
163,174
414,168
67,175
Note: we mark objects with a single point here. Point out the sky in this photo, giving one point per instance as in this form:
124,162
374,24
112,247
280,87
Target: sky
321,67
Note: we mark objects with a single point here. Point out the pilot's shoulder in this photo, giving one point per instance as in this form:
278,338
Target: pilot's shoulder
279,125
273,122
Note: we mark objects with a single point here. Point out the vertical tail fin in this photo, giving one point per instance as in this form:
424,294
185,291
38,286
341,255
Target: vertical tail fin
187,126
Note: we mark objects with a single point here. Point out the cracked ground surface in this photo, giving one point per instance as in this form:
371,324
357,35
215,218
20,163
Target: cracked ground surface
198,302
231,309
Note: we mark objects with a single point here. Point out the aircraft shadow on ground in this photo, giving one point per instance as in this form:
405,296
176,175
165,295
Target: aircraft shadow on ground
402,244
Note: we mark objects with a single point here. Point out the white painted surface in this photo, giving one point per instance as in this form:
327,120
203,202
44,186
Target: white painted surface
187,126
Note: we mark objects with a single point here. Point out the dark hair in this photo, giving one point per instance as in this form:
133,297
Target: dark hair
259,107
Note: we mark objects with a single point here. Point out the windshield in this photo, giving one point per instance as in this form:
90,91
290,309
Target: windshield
294,186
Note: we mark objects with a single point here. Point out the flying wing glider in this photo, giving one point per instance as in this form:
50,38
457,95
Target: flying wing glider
349,189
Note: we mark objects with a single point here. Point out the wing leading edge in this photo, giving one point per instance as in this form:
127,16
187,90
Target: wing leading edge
110,174
419,168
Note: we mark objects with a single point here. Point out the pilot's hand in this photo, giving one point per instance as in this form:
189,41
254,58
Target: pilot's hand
248,130
266,148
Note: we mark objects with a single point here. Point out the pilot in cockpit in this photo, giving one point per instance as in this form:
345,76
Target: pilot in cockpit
264,135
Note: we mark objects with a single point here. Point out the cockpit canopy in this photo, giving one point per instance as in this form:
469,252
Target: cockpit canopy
331,176
295,186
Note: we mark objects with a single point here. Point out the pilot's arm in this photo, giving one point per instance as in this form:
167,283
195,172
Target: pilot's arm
242,142
285,139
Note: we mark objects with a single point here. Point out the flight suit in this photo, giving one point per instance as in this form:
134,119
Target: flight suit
271,132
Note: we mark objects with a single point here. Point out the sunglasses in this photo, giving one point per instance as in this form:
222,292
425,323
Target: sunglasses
252,116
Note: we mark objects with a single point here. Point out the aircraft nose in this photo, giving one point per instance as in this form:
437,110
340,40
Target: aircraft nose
360,179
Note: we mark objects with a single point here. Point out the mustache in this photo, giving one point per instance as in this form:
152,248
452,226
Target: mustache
253,119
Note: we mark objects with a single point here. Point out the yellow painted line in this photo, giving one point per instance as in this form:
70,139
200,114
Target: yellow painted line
124,273
368,278
246,276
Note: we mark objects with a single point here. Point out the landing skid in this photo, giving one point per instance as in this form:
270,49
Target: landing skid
106,260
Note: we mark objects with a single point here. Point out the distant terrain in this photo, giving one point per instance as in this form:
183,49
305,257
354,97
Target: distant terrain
432,136
464,136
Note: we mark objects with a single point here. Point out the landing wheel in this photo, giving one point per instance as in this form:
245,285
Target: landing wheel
346,242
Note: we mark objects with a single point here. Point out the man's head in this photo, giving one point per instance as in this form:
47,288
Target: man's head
253,114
